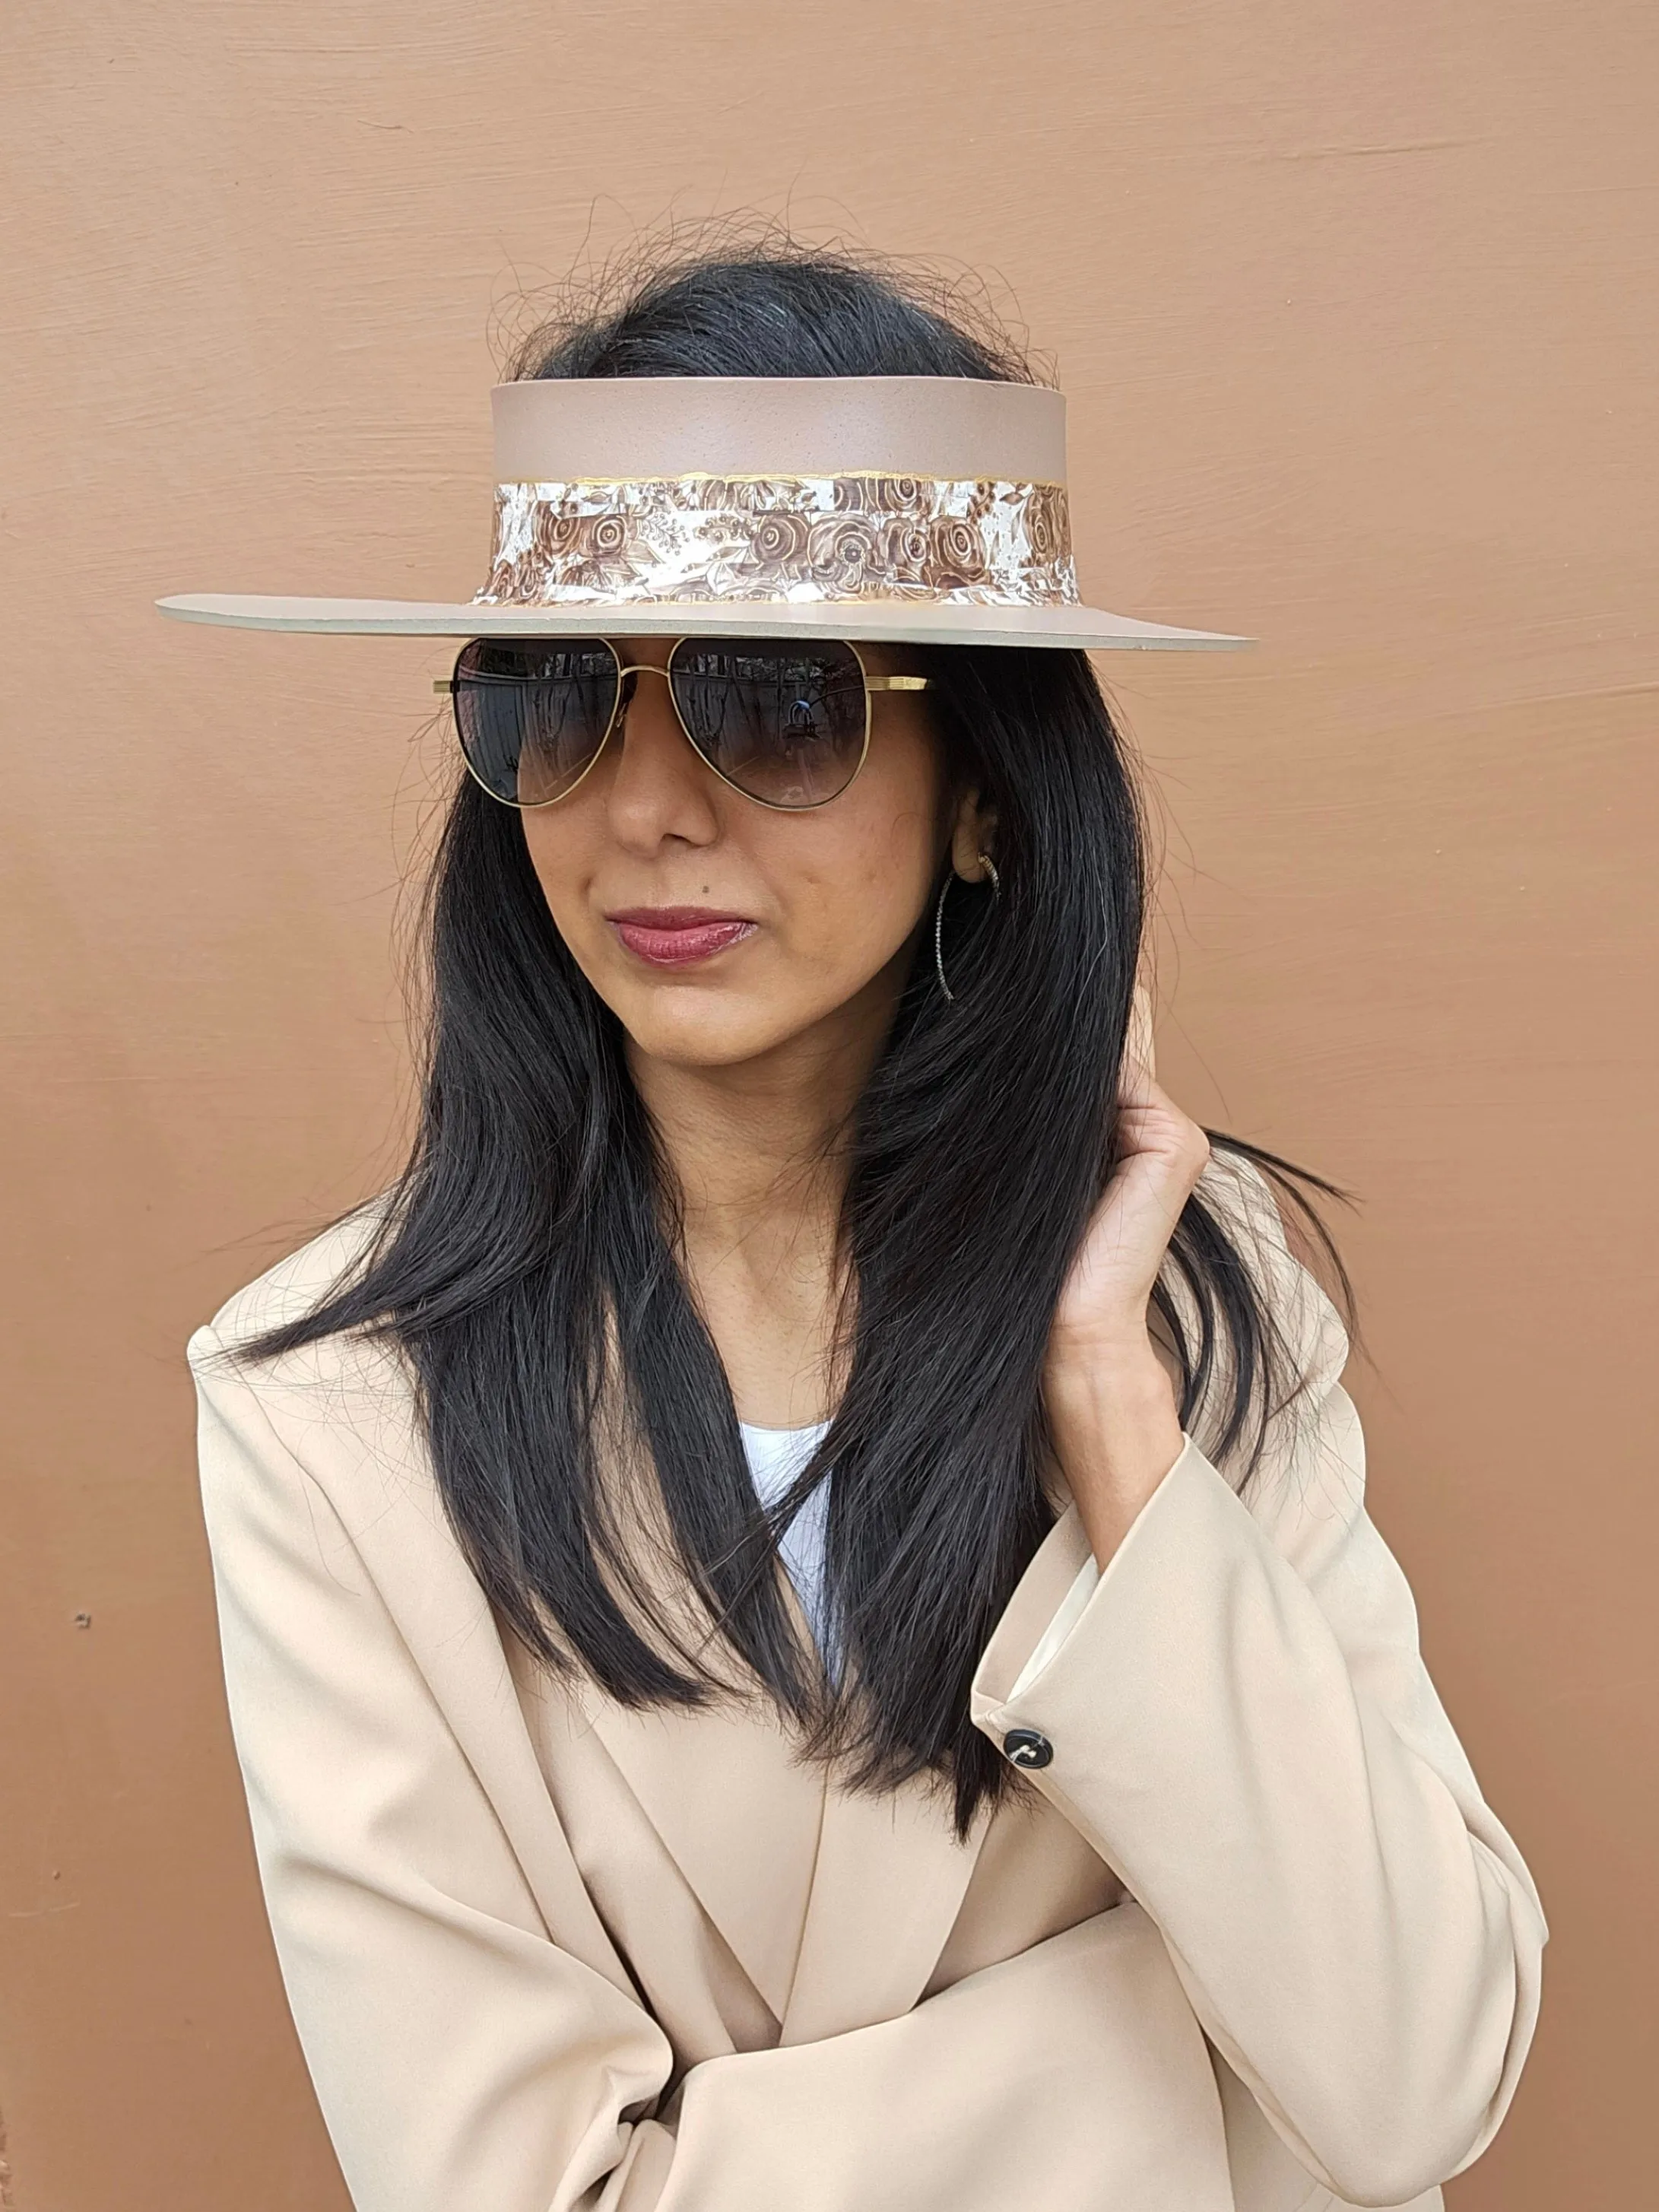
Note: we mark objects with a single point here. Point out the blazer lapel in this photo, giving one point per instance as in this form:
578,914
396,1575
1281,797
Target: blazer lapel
889,1881
836,1905
740,1814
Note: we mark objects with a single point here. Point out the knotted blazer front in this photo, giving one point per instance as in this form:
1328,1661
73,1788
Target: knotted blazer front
1251,1941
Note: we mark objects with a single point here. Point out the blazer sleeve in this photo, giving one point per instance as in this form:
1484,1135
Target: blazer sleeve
1242,1725
463,2060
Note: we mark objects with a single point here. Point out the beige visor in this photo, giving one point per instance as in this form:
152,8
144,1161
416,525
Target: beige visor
926,508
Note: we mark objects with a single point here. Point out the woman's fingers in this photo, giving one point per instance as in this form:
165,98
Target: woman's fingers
1161,1153
1150,1122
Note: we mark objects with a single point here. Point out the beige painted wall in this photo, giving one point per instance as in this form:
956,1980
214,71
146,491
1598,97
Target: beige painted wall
1356,308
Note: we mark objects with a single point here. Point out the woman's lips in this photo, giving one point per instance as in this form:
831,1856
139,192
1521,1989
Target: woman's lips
675,936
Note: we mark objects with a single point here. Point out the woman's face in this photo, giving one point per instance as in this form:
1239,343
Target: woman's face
717,929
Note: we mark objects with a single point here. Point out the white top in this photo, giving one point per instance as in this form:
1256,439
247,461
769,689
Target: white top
775,1457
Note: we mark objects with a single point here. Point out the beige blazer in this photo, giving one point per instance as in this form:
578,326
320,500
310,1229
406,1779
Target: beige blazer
1251,1942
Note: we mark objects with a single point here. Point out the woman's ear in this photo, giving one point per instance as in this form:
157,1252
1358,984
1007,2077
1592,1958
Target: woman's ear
972,837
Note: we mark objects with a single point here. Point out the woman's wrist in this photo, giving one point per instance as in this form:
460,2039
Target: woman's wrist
1117,1431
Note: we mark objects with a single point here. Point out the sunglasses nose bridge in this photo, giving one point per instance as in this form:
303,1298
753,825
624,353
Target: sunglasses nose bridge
625,694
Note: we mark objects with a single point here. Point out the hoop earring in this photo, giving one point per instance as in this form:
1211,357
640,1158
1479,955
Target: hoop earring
990,868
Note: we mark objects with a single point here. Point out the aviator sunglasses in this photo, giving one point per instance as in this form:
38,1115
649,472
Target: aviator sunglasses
785,723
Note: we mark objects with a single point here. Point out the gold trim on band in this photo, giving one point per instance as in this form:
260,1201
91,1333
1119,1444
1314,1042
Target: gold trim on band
766,476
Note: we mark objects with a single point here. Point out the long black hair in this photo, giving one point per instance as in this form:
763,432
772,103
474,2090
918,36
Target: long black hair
527,1262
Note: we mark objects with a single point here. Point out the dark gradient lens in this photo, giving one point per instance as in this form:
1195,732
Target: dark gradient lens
532,711
785,723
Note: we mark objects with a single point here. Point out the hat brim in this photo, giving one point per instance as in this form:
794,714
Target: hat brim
896,621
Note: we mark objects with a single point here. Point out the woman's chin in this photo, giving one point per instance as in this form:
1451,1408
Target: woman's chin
696,1029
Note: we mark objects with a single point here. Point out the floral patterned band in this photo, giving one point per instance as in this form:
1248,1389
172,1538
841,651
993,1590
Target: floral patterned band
955,541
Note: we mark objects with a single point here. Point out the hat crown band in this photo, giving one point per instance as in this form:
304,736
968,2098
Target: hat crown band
862,535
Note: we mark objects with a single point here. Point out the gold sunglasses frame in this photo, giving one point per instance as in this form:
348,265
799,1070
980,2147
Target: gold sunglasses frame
871,685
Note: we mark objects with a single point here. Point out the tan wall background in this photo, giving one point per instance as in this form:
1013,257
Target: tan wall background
1356,309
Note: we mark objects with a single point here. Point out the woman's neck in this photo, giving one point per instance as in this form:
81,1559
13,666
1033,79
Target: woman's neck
757,1151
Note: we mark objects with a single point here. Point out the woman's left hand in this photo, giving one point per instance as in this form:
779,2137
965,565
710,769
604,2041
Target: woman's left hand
1111,1405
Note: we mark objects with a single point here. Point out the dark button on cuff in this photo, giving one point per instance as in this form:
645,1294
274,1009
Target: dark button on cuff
1025,1747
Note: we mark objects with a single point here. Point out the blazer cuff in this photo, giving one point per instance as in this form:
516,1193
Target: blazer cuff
1053,1596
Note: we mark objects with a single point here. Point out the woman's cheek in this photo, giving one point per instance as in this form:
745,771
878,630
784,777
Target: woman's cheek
861,918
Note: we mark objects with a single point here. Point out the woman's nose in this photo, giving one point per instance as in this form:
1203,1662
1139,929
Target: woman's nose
658,786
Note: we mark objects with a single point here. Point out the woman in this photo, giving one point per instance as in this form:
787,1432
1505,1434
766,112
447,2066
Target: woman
799,1617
